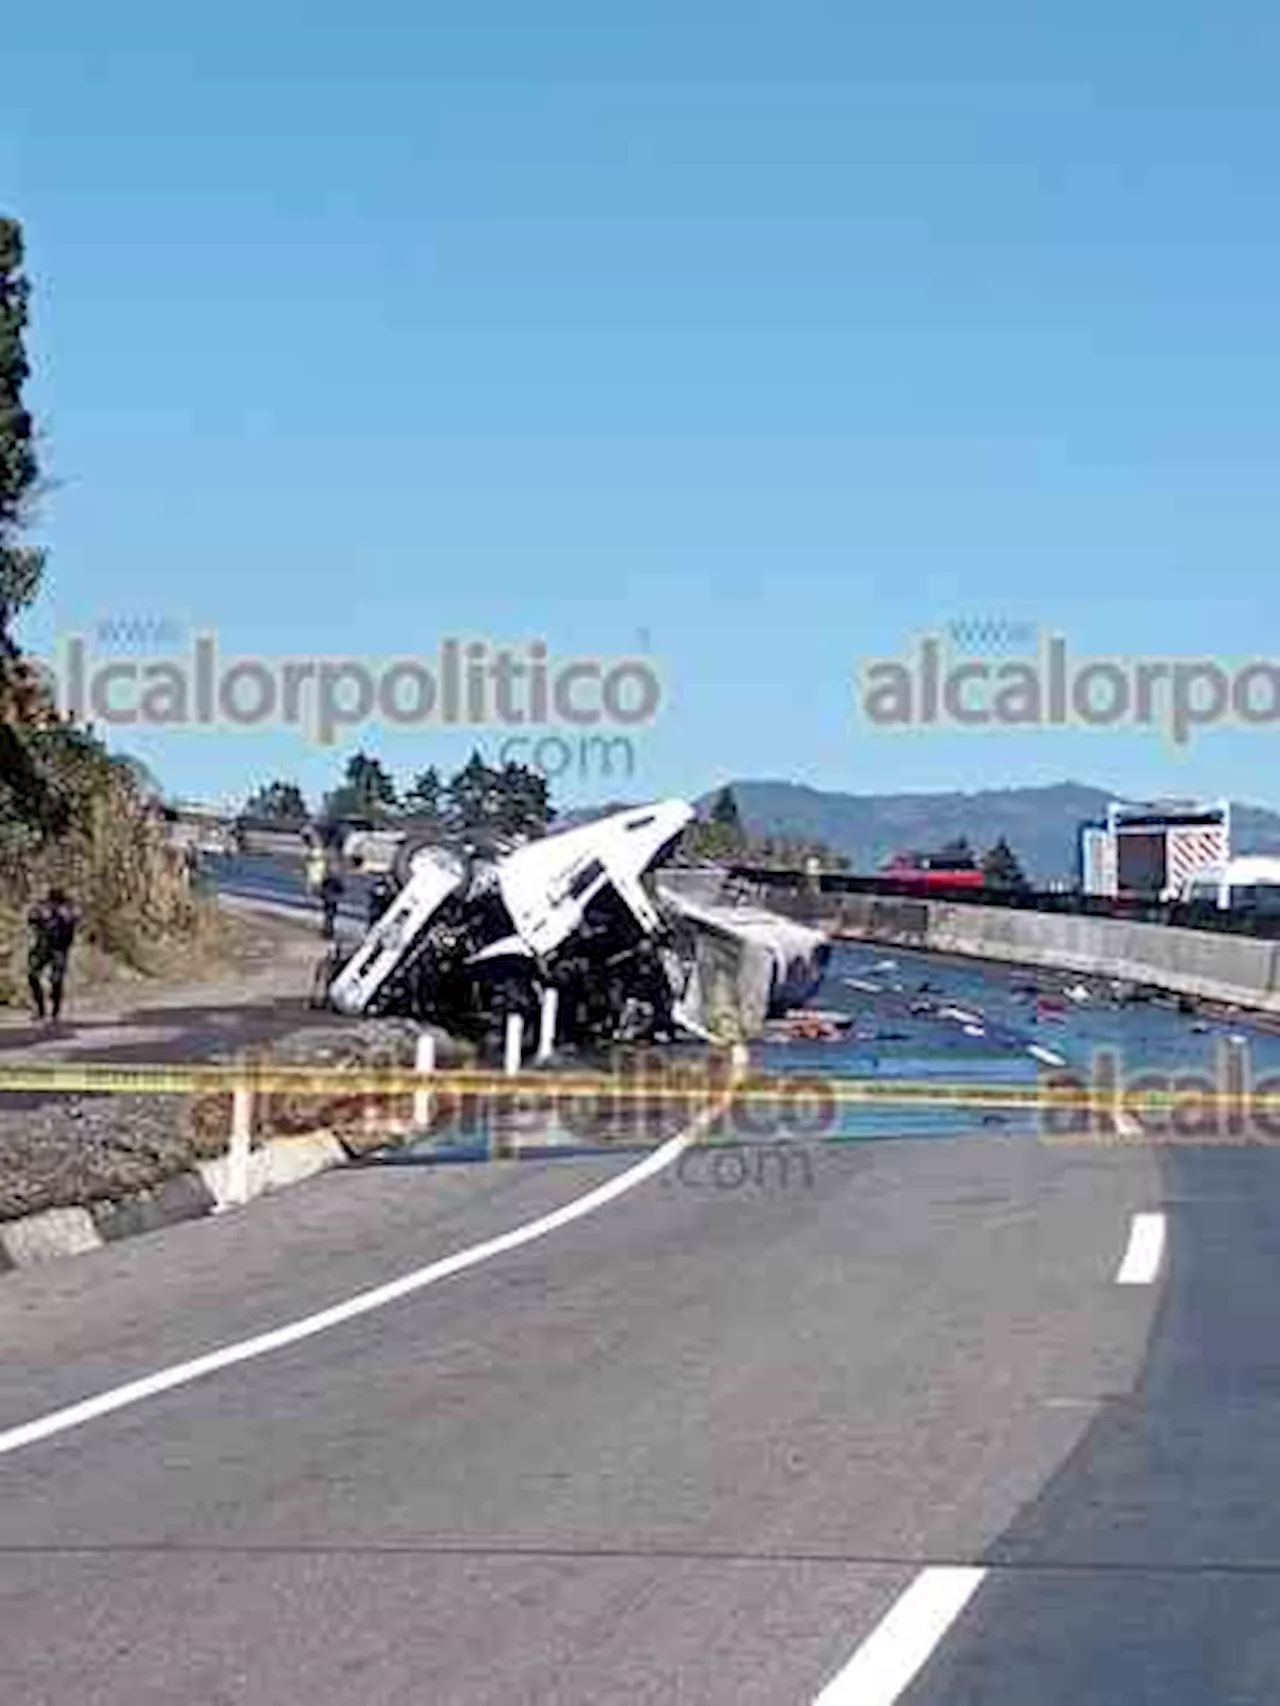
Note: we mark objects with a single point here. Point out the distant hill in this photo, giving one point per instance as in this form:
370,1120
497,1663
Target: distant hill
1040,824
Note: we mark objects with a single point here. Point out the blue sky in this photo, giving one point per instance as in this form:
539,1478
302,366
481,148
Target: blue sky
757,337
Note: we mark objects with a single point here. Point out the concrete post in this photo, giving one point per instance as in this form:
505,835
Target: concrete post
240,1145
424,1060
547,1024
513,1045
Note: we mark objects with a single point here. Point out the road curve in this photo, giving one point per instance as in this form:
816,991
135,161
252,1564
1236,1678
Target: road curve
694,1446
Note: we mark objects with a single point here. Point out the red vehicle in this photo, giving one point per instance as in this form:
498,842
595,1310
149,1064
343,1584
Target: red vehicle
926,871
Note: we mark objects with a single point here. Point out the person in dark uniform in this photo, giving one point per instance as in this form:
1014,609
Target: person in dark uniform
382,893
53,929
331,889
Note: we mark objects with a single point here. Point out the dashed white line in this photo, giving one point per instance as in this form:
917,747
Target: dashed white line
1045,1054
900,1645
1145,1252
363,1303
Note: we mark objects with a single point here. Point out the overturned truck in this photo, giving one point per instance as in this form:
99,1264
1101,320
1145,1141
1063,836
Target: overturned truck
474,936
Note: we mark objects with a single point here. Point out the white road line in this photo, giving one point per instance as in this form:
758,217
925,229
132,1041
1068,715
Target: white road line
900,1645
1142,1259
363,1303
1045,1054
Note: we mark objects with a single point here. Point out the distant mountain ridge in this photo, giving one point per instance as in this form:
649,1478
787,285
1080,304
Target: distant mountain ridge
1041,824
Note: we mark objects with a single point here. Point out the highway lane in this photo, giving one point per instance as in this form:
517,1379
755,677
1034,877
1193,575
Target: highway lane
697,1448
1148,1569
281,883
691,1448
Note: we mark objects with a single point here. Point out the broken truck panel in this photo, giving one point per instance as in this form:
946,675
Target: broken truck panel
438,874
549,885
747,965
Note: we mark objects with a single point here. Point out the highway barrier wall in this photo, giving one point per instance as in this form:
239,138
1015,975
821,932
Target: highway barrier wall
1240,970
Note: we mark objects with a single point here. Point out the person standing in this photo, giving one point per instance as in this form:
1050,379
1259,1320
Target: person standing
53,928
331,890
381,895
315,864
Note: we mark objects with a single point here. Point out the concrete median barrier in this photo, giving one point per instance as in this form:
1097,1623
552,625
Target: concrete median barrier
1237,970
183,1197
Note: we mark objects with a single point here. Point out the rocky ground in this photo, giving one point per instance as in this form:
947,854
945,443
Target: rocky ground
58,1149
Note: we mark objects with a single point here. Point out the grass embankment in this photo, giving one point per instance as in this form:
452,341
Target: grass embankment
141,918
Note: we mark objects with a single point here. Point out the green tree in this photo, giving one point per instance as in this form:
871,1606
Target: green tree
511,802
524,801
282,801
23,703
1001,868
473,797
20,565
424,797
366,791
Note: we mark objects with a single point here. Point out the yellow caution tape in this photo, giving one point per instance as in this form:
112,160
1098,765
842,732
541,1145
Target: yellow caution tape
679,1087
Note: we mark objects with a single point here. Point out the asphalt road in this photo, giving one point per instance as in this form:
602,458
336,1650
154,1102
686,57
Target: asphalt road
691,1447
281,883
923,1420
1148,1568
